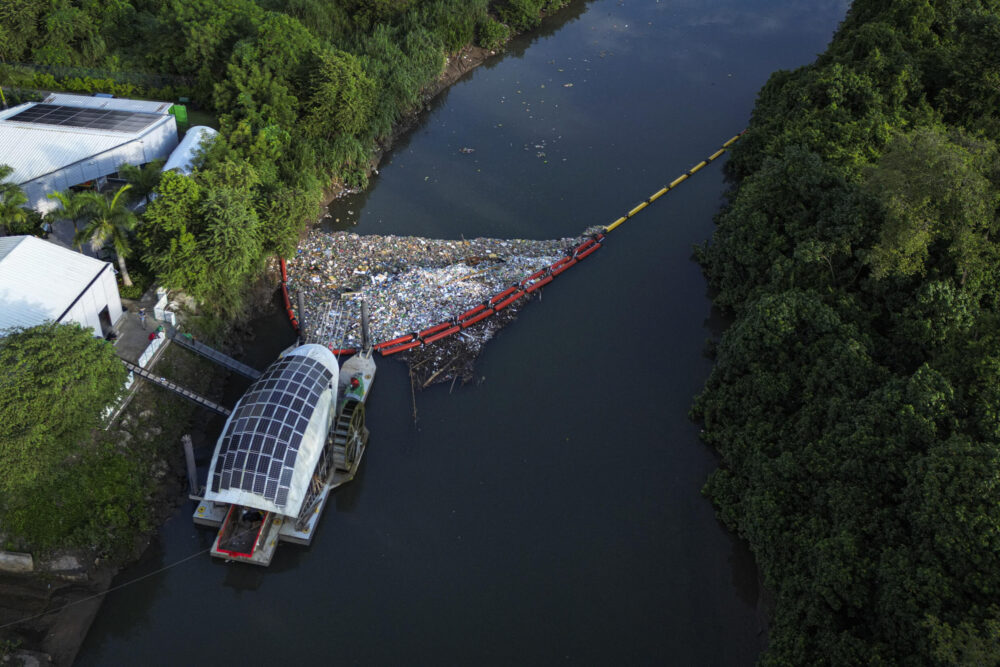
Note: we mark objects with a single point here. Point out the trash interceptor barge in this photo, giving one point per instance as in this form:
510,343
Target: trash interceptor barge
295,435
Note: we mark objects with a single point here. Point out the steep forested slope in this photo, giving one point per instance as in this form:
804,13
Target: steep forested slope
855,399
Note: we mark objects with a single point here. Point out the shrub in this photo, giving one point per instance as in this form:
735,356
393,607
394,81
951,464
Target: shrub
491,34
521,14
142,279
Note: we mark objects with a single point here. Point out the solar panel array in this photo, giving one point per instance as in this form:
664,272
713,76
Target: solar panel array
92,119
264,434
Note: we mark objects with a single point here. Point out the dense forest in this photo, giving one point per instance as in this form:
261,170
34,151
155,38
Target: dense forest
304,90
855,399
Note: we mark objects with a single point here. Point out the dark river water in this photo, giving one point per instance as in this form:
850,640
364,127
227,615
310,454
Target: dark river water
551,512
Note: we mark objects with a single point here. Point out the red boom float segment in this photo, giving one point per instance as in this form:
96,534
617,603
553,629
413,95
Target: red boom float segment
534,276
509,300
502,295
400,348
481,316
433,330
541,283
443,334
562,265
284,293
583,246
394,341
470,312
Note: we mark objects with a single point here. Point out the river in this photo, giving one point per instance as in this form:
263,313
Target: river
551,511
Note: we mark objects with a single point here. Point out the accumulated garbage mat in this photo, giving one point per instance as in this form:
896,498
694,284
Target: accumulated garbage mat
410,284
455,357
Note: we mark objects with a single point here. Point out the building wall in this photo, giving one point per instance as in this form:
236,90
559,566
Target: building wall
156,144
103,292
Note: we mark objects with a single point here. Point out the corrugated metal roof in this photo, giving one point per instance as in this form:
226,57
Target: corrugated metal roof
40,280
13,111
34,150
116,103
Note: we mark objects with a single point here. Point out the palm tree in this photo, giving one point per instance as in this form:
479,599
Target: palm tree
12,200
108,221
71,207
142,179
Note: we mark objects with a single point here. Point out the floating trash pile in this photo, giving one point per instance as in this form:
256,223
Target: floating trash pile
410,284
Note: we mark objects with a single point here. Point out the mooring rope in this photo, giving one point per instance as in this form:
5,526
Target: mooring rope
110,590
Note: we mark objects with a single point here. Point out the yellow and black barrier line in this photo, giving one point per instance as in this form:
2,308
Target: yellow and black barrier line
674,183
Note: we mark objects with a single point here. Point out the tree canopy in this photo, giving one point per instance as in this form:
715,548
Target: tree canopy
108,222
855,399
304,90
12,200
58,379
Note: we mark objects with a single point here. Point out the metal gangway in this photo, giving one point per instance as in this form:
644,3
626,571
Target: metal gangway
177,389
188,342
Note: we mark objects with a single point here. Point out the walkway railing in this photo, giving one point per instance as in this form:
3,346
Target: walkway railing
214,355
177,389
151,350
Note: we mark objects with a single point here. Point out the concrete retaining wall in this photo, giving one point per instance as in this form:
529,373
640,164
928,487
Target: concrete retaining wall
16,563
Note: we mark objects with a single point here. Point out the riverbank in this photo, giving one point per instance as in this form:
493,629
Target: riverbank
458,65
65,609
61,598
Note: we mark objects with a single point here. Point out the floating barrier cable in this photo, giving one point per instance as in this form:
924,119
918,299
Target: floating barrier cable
525,287
103,593
674,183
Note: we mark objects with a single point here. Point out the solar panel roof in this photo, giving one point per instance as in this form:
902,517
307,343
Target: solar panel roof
128,122
259,447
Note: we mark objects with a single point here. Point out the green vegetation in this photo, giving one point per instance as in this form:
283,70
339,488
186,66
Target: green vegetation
12,200
304,92
65,481
8,646
15,217
56,485
855,399
107,222
491,34
142,179
72,206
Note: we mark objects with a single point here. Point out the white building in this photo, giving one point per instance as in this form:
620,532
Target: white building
41,281
68,140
